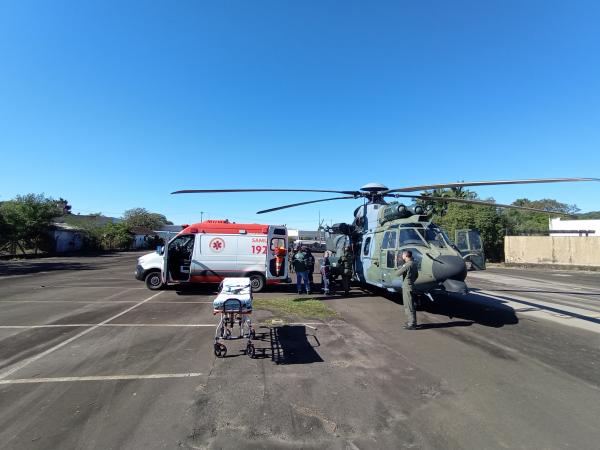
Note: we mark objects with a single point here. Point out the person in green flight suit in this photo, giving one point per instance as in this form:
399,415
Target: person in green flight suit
409,273
346,262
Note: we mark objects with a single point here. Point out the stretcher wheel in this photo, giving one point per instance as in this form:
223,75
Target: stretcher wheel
252,334
227,333
220,350
250,350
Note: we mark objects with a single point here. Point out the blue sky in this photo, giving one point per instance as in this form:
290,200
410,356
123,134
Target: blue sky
115,104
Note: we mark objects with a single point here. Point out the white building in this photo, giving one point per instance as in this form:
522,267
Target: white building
67,238
559,227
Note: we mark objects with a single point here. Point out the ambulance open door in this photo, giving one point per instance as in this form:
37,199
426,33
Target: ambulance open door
277,261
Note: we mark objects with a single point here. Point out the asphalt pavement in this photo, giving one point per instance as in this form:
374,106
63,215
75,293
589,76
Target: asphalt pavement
91,359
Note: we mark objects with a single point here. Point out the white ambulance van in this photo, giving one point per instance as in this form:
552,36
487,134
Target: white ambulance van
209,251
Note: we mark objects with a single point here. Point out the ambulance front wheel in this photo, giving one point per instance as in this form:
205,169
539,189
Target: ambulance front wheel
257,282
154,281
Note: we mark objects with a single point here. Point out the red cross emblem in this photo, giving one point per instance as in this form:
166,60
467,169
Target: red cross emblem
216,244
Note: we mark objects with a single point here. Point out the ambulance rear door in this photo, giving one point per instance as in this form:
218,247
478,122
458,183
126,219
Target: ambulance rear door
277,244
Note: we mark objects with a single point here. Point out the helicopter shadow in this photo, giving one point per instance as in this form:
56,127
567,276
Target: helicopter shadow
472,307
463,310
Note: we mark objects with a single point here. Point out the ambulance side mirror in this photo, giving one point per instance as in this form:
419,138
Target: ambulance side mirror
160,249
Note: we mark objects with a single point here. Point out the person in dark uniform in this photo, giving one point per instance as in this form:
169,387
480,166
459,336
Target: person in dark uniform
409,273
310,266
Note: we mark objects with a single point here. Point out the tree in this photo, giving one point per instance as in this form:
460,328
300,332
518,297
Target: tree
26,220
141,217
490,223
63,206
523,222
116,236
592,215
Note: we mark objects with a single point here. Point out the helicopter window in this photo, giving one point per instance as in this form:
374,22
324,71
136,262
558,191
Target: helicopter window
389,240
461,240
417,257
410,236
475,240
434,235
367,246
391,259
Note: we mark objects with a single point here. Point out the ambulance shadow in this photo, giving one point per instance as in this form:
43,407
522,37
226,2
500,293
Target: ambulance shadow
287,344
196,289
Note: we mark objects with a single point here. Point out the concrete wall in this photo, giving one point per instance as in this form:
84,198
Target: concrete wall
559,250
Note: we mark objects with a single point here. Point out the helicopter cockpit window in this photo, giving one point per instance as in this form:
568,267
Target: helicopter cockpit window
434,235
410,236
389,240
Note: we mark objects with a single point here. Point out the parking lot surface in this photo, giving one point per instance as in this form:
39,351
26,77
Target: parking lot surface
91,359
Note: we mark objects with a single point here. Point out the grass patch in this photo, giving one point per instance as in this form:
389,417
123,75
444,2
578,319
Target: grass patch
307,308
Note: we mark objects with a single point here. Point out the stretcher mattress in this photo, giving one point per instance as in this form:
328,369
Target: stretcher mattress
234,288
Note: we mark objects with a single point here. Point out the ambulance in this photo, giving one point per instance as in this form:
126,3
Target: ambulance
209,251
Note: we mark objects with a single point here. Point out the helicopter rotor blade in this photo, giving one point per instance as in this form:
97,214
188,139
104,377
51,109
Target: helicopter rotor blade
427,187
303,203
215,191
478,202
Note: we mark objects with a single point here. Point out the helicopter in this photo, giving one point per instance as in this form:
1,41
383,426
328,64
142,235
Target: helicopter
382,230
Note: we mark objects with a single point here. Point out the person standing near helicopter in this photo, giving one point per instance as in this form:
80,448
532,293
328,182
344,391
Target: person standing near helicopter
409,273
346,265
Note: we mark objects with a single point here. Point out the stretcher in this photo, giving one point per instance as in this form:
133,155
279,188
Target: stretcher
233,304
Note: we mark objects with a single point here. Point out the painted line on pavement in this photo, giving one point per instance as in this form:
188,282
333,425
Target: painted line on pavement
28,361
174,325
567,315
155,376
87,302
79,325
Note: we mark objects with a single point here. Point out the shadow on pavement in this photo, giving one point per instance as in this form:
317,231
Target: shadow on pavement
458,323
287,344
24,267
473,308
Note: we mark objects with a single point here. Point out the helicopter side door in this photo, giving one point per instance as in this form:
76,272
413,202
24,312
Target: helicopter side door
387,257
470,246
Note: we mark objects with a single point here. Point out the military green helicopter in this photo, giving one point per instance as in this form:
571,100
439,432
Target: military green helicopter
380,232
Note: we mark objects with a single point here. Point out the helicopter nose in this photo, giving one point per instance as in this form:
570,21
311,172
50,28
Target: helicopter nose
449,267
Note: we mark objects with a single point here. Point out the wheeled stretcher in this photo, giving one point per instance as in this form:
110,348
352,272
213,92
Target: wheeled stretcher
234,307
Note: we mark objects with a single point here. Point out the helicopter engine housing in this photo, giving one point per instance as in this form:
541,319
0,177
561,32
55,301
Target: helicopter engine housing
395,211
